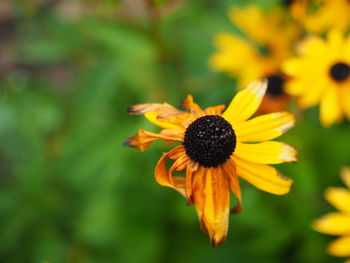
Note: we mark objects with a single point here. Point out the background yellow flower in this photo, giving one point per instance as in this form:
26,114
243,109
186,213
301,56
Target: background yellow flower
337,223
321,75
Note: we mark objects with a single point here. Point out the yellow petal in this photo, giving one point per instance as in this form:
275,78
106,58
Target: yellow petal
333,224
212,201
345,175
330,110
345,98
245,103
152,117
266,152
262,176
340,247
339,198
229,169
164,177
265,127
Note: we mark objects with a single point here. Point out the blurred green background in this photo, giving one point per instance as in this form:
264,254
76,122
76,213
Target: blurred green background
70,192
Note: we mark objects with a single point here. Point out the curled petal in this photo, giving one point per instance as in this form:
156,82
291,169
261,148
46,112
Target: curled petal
143,139
212,201
164,177
339,198
269,152
245,103
161,114
265,127
333,224
189,104
263,177
216,110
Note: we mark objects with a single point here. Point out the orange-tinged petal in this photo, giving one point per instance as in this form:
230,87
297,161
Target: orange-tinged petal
262,176
164,177
143,139
339,198
229,169
264,127
266,152
245,103
345,175
211,198
333,224
340,247
153,117
154,111
330,109
216,110
189,104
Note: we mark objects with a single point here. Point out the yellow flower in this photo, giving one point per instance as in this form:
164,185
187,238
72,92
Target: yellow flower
321,74
330,14
270,41
215,150
337,223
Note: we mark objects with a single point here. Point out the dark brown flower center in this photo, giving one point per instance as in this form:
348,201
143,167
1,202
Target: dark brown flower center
275,85
210,140
340,71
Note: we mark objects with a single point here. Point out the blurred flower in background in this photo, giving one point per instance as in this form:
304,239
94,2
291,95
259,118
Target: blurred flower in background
216,148
321,75
337,223
268,39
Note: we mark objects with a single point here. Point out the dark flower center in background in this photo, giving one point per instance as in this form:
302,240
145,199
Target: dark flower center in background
340,71
275,85
287,2
210,140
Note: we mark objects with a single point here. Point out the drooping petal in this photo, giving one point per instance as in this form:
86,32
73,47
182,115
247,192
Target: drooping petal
264,127
229,169
245,103
269,152
330,109
340,247
262,176
339,198
143,139
211,198
333,224
164,177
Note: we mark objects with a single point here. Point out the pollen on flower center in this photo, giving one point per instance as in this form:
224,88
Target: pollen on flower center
275,85
340,71
210,140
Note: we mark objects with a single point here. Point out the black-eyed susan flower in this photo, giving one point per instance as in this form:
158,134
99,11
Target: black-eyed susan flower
259,54
215,150
328,14
321,74
337,223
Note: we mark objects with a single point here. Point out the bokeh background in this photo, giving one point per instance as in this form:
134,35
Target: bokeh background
69,190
